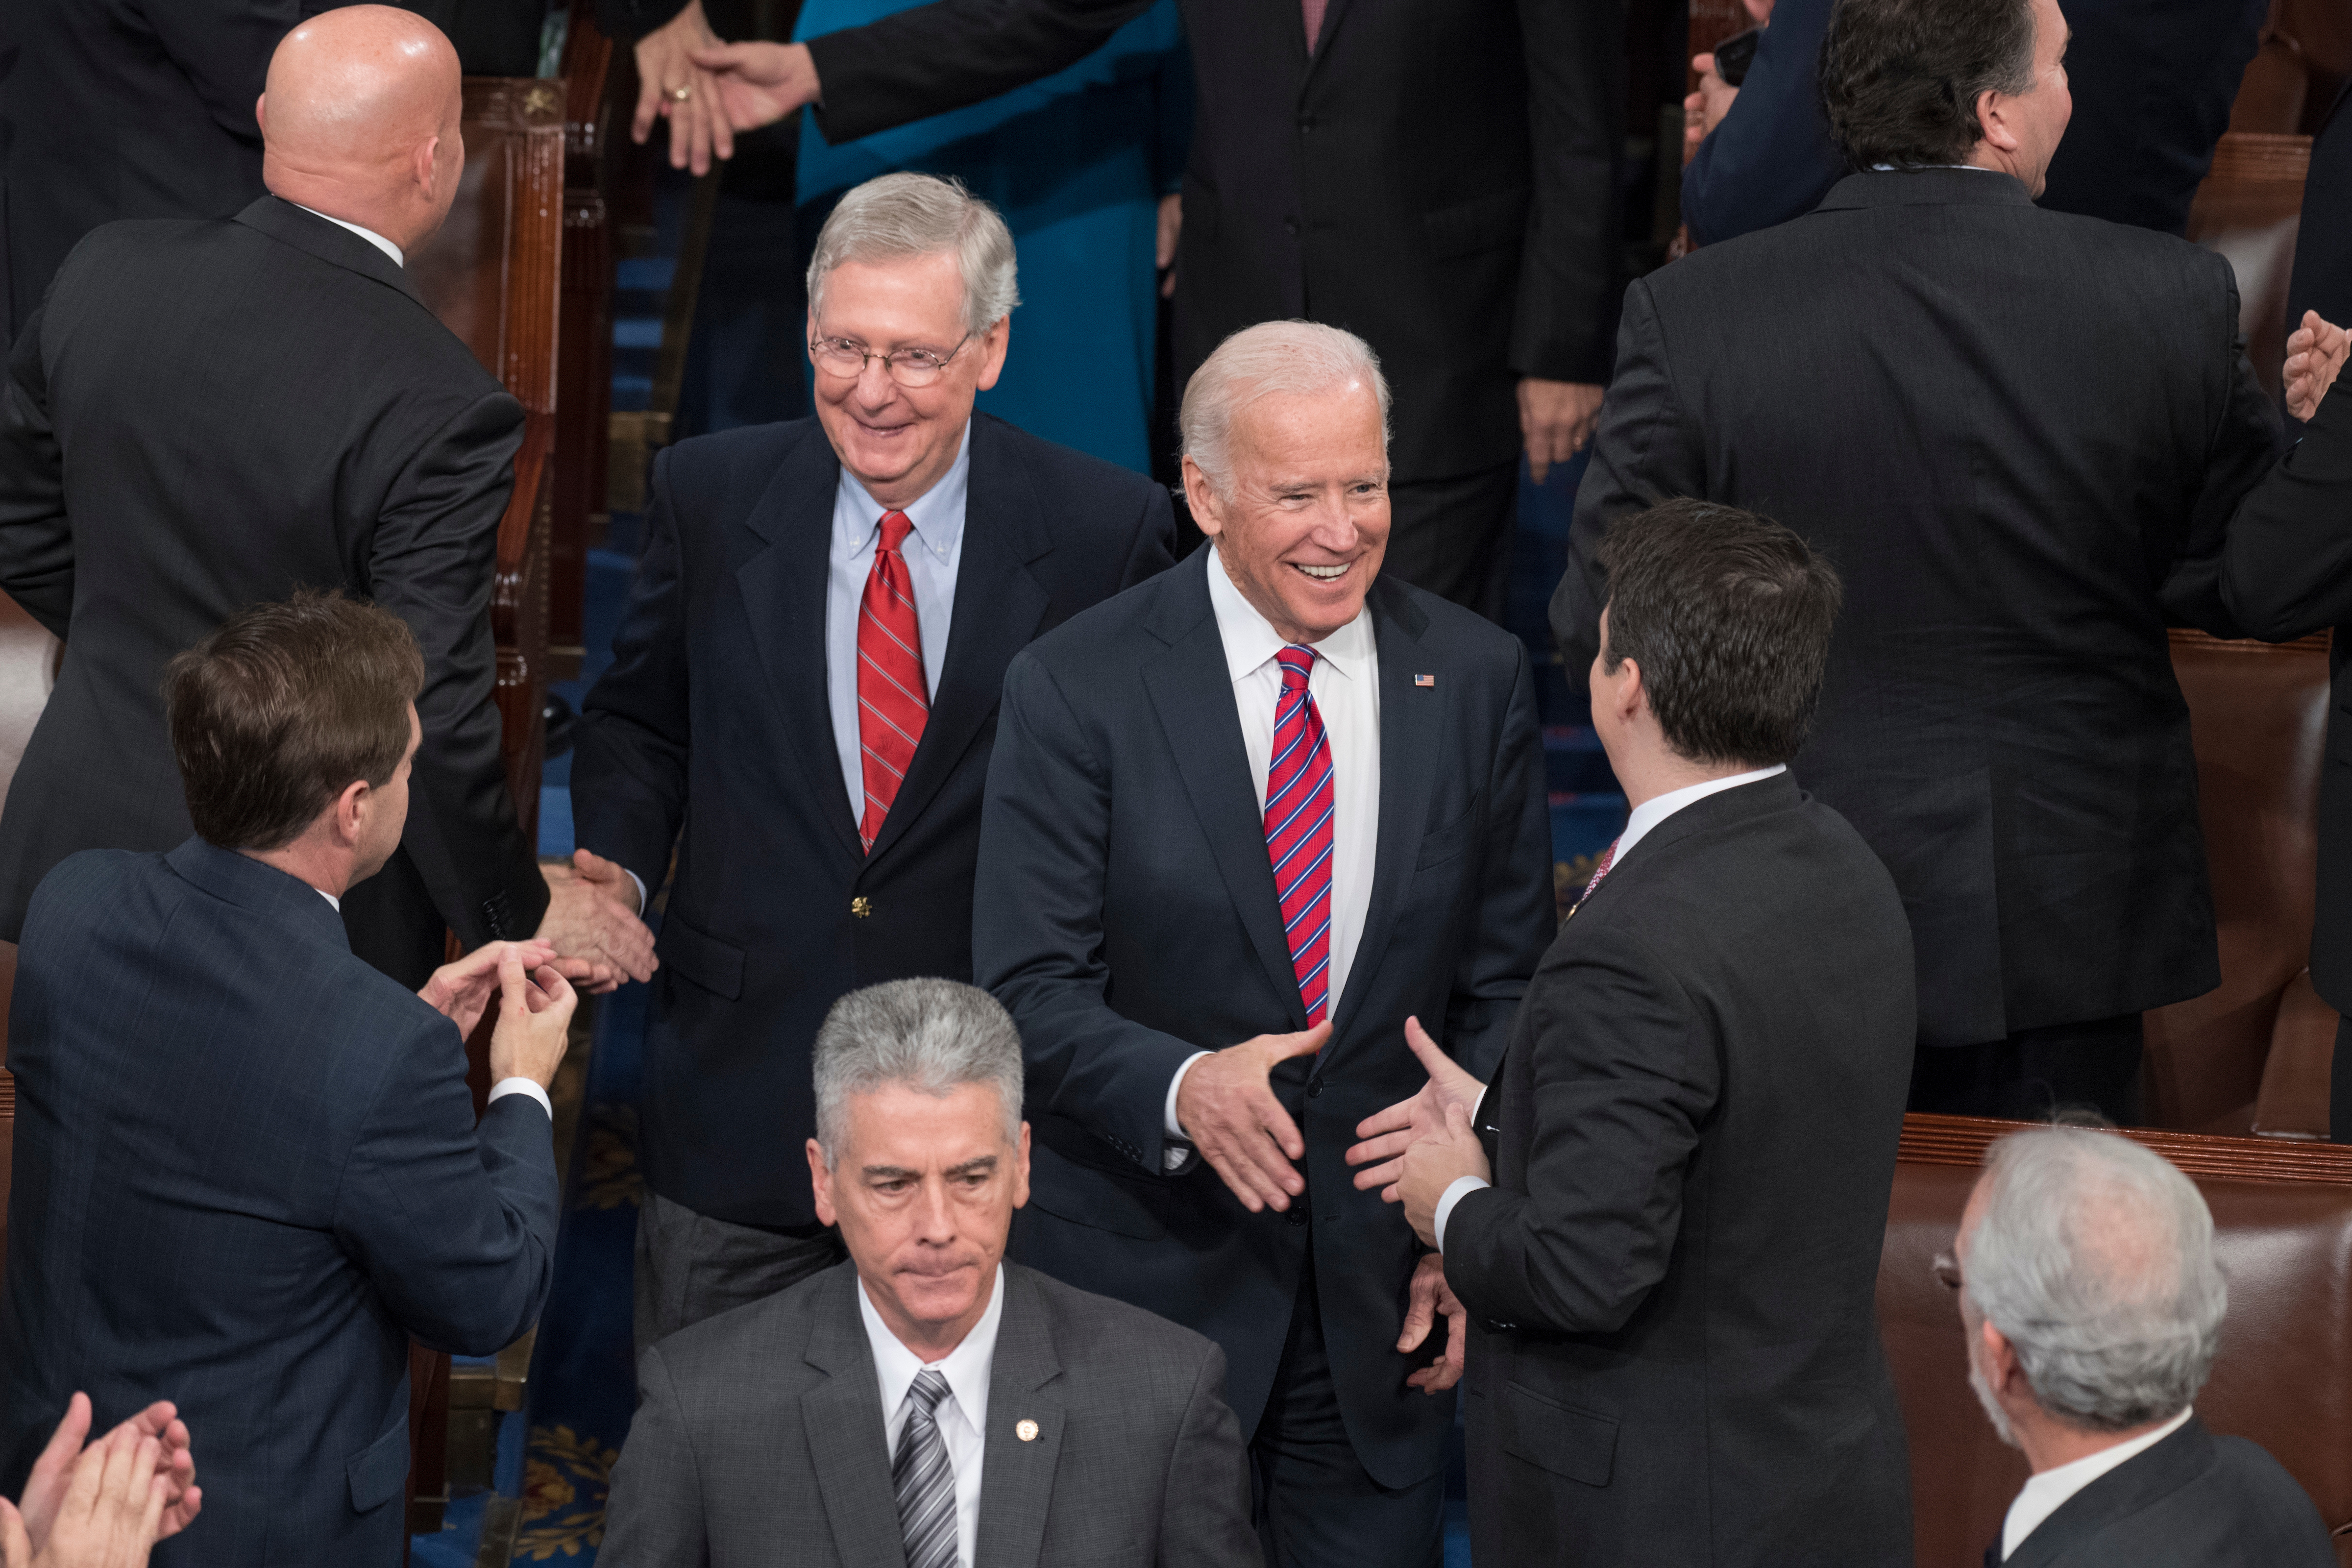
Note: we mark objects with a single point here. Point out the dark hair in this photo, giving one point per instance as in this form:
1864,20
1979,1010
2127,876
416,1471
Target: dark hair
1730,617
284,708
1899,79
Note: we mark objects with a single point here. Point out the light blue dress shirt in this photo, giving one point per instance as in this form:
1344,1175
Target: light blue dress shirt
933,551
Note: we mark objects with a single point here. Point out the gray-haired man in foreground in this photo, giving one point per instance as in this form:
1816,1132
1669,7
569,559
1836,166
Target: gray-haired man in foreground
926,1397
2093,1304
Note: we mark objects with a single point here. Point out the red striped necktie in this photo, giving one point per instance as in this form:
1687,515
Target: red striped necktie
1298,830
893,699
1608,859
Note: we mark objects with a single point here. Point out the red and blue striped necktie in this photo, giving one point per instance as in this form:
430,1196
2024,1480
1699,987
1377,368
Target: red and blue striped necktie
894,701
1298,830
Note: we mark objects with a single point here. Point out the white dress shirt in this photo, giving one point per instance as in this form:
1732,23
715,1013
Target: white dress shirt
962,1416
367,234
1638,825
505,1086
933,551
2045,1493
1346,686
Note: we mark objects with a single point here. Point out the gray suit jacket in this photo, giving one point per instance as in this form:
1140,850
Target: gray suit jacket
758,1439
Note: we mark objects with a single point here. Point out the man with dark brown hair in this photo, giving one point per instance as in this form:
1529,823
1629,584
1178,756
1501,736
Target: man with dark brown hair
247,1167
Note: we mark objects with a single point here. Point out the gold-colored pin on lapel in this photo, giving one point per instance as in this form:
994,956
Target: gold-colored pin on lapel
1027,1431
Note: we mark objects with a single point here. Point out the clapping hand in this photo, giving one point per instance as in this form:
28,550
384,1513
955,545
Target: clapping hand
103,1506
460,990
2315,351
1387,1135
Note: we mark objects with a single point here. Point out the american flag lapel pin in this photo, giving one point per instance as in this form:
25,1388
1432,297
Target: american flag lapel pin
1424,680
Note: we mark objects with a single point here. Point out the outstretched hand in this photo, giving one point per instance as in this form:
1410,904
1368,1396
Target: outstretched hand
592,921
1434,1163
1426,1298
759,84
2315,351
1227,1109
699,127
1387,1135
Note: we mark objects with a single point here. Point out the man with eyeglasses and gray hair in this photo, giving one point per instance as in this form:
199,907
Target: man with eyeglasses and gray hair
2093,1306
926,1402
800,709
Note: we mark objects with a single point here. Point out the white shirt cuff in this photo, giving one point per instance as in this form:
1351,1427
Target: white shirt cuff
640,881
1173,1158
1461,1187
507,1086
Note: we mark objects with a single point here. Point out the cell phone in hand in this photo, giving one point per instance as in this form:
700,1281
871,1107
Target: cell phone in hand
1735,55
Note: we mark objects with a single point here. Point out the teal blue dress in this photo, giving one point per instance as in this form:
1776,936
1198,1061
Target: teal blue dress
1076,163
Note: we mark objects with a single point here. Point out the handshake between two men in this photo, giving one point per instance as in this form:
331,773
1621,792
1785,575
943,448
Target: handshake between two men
1413,1152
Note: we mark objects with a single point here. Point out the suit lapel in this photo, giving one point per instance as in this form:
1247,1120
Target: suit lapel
2139,1481
1412,721
997,606
841,1420
282,221
1193,692
1331,16
1016,1477
784,588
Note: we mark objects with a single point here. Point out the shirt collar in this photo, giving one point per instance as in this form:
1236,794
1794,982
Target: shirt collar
1251,640
2047,1493
367,234
1657,808
966,1367
936,515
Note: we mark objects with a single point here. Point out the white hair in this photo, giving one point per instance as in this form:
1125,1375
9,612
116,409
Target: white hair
1288,357
902,216
2094,1259
932,1035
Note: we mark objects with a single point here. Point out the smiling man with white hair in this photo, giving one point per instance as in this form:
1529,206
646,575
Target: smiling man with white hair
2092,1305
801,704
1246,825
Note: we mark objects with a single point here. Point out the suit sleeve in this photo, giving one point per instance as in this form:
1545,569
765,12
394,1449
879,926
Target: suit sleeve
2287,569
222,48
1624,1072
629,761
1205,1506
1576,62
2243,446
1038,928
1517,915
951,53
432,564
1771,159
36,556
654,1514
1644,452
452,1223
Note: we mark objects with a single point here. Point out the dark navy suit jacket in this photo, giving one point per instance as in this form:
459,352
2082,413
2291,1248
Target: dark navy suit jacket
1128,918
247,1169
713,717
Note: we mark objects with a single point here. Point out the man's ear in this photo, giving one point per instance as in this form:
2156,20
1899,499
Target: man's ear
2001,1362
1633,696
352,808
1992,123
993,346
261,115
1201,499
1021,1169
422,167
821,1180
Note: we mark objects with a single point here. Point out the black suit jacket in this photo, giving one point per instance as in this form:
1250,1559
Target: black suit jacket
2288,574
759,1438
1438,176
2322,280
207,415
246,1170
1128,918
713,718
116,109
1676,1266
2194,1500
2017,435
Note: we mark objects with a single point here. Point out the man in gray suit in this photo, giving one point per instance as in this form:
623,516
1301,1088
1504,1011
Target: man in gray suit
926,1404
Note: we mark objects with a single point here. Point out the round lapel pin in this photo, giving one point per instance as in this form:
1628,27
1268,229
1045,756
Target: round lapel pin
1026,1430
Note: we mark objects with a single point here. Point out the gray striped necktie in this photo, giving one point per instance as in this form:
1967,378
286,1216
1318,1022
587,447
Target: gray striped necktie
924,1478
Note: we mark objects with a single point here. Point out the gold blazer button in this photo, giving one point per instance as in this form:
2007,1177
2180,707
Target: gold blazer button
861,906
